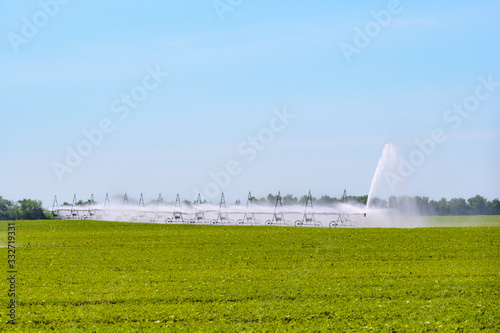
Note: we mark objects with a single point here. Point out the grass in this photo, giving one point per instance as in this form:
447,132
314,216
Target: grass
85,276
464,221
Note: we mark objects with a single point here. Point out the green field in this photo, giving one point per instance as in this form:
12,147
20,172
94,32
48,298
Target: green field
90,276
463,221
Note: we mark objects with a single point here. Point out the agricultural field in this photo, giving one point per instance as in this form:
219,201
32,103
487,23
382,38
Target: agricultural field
86,276
463,221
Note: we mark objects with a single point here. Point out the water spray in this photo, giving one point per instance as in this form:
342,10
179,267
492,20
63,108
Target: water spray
205,213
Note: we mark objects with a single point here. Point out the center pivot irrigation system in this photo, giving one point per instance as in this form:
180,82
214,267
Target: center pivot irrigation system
204,213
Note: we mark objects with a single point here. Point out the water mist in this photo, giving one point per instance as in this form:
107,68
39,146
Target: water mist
387,162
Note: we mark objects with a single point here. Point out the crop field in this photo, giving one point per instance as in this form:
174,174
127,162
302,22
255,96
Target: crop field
86,276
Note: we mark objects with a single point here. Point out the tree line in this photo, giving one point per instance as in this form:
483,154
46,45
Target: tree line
28,209
477,205
25,209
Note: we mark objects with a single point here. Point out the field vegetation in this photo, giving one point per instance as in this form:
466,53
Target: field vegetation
79,276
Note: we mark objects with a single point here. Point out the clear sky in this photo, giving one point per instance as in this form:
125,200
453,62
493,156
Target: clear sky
260,95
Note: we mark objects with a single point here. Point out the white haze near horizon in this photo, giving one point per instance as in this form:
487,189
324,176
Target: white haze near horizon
325,214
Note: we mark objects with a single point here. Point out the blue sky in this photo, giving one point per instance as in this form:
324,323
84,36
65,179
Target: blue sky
226,80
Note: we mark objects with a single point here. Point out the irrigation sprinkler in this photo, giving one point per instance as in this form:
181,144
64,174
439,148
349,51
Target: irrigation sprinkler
308,218
344,219
199,214
278,215
158,214
55,208
222,215
249,217
204,214
141,214
71,213
126,213
90,211
101,213
177,214
74,210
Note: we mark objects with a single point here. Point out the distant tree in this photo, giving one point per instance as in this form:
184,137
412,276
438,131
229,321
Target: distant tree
407,205
444,206
494,207
363,199
327,200
79,203
83,203
478,205
49,215
359,199
303,199
271,199
31,210
393,202
422,204
186,202
440,207
202,202
458,206
8,209
289,200
378,203
259,201
153,202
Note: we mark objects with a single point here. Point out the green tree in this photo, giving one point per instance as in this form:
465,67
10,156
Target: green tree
393,202
458,206
407,205
444,207
378,203
422,204
478,205
494,207
31,210
8,209
271,199
359,199
327,200
303,199
83,203
289,200
440,207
